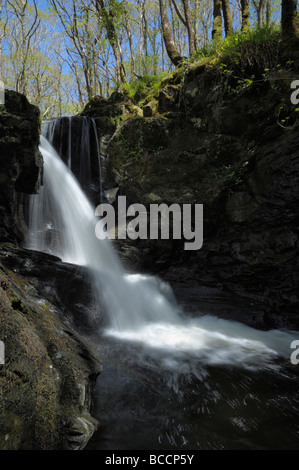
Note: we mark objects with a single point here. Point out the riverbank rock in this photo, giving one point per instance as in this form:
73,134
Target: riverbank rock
49,371
49,375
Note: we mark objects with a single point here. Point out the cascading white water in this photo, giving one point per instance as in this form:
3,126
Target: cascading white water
62,222
139,308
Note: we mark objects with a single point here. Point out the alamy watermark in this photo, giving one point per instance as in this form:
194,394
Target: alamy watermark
295,94
295,354
2,353
160,221
2,93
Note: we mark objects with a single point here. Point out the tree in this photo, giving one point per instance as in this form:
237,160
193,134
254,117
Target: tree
245,15
227,18
78,25
109,16
217,20
190,29
205,17
1,37
171,48
187,21
130,39
24,26
289,19
48,86
260,11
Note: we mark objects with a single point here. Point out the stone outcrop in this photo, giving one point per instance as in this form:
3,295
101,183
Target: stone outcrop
50,371
232,147
20,161
49,375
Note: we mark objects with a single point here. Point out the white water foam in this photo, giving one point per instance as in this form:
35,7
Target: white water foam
209,341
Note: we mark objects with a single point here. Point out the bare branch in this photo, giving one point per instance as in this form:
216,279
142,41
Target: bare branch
179,13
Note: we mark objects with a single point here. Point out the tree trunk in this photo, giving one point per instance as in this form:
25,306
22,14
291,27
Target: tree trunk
171,49
174,21
196,26
289,19
129,34
260,13
268,13
227,17
217,21
190,29
113,40
142,67
245,15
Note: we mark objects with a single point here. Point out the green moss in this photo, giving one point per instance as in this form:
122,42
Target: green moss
146,88
243,55
2,109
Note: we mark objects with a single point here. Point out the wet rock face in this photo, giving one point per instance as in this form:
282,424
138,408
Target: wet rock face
228,152
20,160
49,375
67,286
75,140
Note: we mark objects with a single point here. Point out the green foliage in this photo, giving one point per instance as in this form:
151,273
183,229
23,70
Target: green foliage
287,115
143,65
2,109
230,178
241,49
252,52
143,86
244,58
250,36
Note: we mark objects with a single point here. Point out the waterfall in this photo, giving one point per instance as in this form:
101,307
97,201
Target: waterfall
62,222
99,156
61,219
75,139
69,159
139,308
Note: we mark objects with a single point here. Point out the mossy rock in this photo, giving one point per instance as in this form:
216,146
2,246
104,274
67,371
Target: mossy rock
117,107
137,136
48,375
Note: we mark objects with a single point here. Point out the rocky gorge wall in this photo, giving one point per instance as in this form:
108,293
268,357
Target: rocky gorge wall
204,138
49,375
20,161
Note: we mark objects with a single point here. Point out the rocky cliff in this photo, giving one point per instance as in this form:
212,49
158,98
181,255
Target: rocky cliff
48,379
20,161
211,137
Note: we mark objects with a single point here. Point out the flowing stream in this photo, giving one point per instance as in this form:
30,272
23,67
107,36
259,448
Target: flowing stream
169,381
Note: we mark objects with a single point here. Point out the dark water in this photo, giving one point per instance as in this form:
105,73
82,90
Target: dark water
144,403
